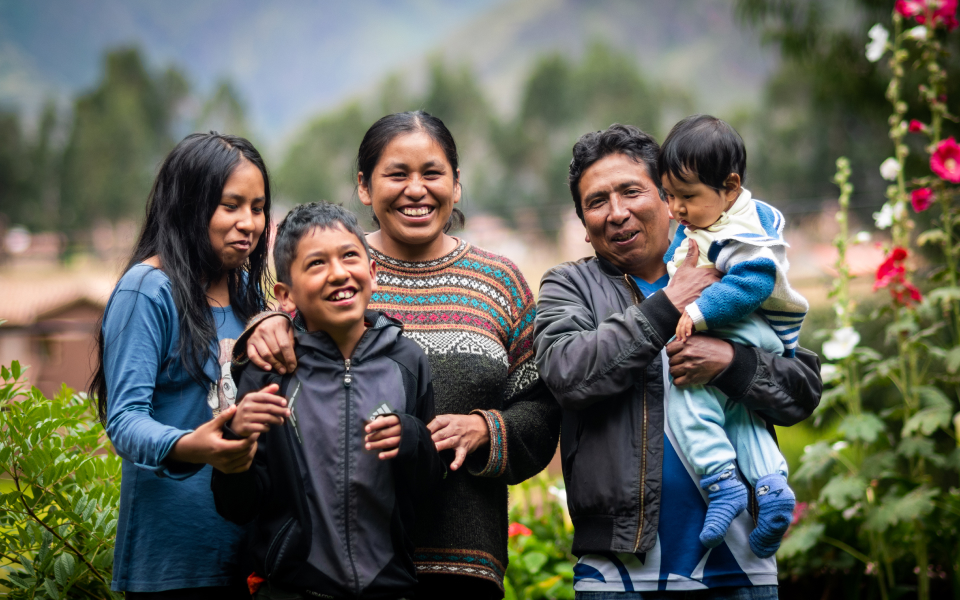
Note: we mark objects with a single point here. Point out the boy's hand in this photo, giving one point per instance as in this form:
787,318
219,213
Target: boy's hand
205,444
684,327
259,411
383,435
270,346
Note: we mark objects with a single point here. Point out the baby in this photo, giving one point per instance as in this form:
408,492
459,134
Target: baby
701,164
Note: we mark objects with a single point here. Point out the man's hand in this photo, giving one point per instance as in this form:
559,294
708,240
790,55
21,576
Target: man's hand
684,327
465,433
383,435
698,360
688,282
259,411
206,444
270,346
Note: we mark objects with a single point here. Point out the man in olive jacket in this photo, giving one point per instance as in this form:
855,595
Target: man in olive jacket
601,343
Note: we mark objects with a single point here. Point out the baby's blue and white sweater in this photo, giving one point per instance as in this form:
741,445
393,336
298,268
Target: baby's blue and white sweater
746,244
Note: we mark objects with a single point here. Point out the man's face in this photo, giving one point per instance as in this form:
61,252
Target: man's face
627,223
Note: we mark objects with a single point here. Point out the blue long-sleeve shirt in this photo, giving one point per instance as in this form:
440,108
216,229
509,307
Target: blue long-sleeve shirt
169,534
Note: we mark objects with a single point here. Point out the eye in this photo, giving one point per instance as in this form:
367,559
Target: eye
258,210
229,205
688,196
317,262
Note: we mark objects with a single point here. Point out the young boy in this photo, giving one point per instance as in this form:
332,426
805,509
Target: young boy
701,164
338,464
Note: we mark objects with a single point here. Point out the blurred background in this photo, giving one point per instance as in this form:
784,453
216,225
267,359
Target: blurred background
93,93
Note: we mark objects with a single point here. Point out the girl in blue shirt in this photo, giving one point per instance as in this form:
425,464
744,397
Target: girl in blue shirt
197,273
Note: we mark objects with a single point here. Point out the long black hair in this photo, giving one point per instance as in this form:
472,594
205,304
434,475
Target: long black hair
184,197
389,127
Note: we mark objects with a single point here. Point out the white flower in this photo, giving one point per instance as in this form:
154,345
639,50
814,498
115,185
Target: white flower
899,210
878,42
851,512
918,33
838,446
889,169
862,238
829,372
884,218
841,343
559,493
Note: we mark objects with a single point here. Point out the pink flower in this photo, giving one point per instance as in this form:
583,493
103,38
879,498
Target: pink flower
516,529
908,8
799,509
944,11
921,199
916,126
945,161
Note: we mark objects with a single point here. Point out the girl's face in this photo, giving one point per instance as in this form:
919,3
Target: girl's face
238,221
412,190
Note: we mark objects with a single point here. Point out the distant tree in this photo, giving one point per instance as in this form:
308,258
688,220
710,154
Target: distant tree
121,130
224,111
12,166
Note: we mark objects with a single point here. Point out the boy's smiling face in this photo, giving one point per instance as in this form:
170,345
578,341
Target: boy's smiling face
696,205
332,279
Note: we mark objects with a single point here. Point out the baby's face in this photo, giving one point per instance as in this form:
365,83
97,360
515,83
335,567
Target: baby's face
696,205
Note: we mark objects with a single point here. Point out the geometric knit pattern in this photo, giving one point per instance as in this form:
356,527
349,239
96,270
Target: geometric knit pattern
472,313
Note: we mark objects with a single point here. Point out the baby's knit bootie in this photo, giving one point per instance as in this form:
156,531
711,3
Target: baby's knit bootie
728,498
775,501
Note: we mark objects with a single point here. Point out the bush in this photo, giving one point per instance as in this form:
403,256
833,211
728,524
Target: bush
59,493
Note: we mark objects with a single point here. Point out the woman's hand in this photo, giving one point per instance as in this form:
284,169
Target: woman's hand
383,435
259,411
698,360
270,346
689,281
206,444
465,433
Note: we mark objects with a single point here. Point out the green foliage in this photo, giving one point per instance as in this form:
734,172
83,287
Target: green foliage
541,565
59,493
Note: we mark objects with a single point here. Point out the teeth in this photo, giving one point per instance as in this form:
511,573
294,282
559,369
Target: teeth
412,211
344,294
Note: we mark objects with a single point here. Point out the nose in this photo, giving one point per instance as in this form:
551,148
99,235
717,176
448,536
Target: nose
618,209
415,187
338,273
246,220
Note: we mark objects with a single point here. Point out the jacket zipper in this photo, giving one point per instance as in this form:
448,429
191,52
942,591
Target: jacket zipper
347,381
637,298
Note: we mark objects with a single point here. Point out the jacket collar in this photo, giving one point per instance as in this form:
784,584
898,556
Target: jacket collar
382,331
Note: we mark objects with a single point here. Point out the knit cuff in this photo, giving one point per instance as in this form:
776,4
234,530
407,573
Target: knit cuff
735,380
239,356
497,461
661,314
699,321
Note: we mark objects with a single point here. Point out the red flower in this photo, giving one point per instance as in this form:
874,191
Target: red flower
916,126
945,161
921,199
944,11
253,582
799,509
516,529
908,8
892,274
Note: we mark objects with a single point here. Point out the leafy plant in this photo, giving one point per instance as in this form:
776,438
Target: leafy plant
59,493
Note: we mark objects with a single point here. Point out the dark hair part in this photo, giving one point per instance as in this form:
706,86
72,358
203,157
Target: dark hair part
302,220
616,139
706,146
388,128
184,197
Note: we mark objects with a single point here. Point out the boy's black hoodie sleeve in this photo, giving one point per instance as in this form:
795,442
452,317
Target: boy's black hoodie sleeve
239,496
417,456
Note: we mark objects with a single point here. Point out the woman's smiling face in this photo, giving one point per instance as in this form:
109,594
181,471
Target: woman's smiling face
412,190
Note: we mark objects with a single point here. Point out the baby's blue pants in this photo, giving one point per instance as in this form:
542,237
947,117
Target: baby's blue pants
713,431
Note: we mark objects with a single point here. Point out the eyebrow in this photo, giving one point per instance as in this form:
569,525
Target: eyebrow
242,197
403,165
340,248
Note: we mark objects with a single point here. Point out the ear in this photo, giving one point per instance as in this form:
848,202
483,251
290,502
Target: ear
458,189
281,292
373,275
732,183
362,191
586,237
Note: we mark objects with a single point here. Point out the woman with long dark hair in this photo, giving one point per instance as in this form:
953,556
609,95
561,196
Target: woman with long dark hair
472,313
197,273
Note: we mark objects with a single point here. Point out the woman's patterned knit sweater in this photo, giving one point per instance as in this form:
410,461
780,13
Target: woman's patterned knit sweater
472,313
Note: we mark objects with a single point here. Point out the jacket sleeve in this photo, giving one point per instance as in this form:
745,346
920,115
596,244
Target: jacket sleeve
525,432
784,391
418,454
584,359
240,496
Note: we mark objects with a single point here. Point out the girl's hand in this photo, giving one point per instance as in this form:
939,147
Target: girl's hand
383,435
206,444
270,346
465,433
259,411
684,327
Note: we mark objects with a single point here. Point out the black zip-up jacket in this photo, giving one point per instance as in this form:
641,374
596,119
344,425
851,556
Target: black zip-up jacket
598,345
333,520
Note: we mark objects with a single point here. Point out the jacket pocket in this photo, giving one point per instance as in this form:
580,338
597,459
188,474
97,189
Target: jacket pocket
279,546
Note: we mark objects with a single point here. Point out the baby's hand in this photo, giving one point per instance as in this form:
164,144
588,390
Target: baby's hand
383,435
684,327
259,411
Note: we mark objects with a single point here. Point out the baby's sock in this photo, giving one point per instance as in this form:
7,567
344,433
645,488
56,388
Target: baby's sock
775,500
728,498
